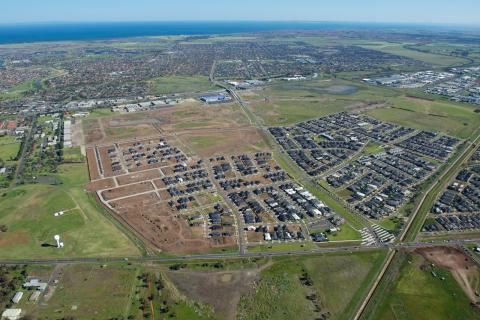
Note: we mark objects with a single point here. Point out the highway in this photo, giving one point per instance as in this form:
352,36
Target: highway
216,256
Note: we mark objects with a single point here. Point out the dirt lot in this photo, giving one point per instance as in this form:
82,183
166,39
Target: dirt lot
138,177
125,191
463,269
207,142
92,164
165,121
105,161
135,202
92,131
101,184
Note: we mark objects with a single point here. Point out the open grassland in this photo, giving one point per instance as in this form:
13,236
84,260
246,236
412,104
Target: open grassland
180,84
452,118
310,287
469,51
283,247
27,211
284,103
286,112
301,287
423,291
19,90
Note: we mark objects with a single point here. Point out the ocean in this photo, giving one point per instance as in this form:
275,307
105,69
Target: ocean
39,32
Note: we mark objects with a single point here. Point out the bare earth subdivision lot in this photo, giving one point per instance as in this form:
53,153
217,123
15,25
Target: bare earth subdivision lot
161,193
149,170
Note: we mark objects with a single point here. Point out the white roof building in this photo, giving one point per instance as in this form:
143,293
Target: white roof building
11,314
17,297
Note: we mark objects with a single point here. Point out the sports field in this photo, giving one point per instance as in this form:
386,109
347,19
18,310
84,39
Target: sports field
9,147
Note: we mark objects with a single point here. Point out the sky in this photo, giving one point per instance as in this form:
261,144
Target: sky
466,12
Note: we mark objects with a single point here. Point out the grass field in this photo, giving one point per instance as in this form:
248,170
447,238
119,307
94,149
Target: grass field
9,147
109,291
180,84
19,90
73,154
389,223
86,291
286,112
283,247
418,294
373,148
28,210
286,103
346,233
337,283
99,113
455,119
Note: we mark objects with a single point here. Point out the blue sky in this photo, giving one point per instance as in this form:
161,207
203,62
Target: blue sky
408,11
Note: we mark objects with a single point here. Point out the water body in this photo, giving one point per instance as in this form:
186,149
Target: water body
39,32
341,90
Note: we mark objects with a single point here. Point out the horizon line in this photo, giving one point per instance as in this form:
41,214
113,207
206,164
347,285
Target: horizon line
403,23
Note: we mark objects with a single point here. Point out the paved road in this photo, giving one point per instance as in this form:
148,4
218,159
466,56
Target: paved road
350,248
